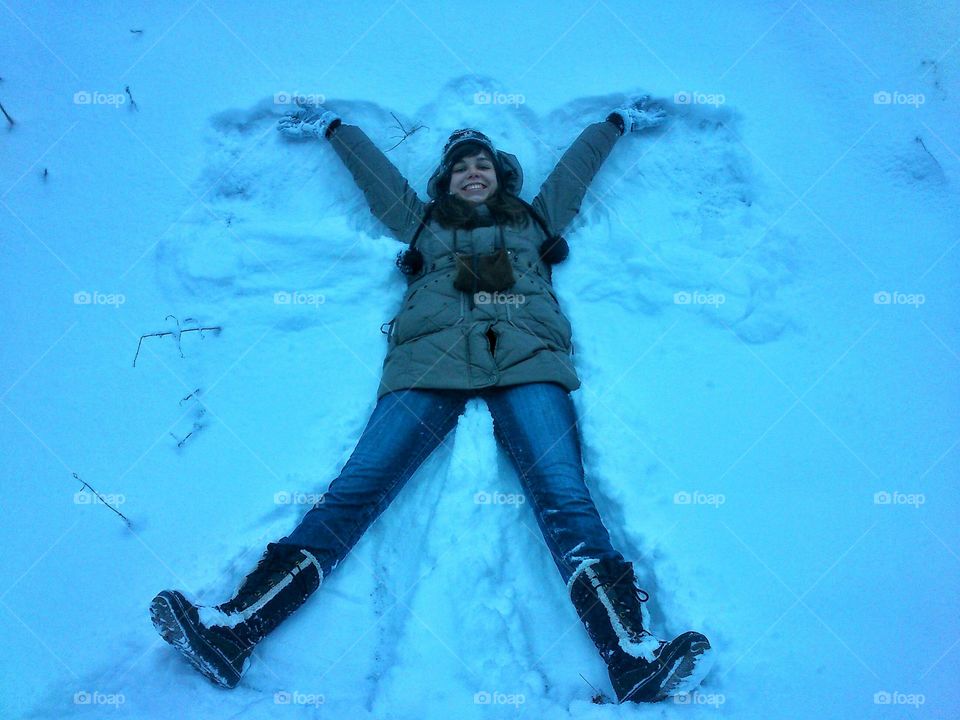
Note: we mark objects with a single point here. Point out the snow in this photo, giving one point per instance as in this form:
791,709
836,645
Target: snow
777,454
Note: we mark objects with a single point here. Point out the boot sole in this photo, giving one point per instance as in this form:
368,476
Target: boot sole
170,618
688,678
681,672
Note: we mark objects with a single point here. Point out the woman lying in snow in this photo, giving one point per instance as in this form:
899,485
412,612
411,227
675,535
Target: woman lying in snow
479,319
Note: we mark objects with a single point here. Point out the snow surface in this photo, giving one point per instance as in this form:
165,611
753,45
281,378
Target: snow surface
778,414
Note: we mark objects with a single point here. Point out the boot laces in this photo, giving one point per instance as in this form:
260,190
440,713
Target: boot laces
627,597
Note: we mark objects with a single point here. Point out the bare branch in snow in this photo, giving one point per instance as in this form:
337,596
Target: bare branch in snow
133,103
919,139
196,427
175,334
100,497
405,133
7,115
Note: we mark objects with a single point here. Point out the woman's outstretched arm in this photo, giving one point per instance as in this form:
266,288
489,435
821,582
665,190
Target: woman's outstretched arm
562,192
389,195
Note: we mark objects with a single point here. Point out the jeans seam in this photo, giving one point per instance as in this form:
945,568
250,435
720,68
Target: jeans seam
537,502
415,462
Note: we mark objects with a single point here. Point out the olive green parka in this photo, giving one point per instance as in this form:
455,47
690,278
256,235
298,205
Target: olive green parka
445,338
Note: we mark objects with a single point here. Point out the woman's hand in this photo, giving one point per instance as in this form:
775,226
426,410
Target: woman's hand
639,115
308,121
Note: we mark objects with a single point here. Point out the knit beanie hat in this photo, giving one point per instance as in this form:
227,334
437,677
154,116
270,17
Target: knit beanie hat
467,135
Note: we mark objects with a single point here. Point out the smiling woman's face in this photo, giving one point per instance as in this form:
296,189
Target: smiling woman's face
473,178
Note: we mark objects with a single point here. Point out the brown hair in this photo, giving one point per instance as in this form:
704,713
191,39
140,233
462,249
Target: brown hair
452,211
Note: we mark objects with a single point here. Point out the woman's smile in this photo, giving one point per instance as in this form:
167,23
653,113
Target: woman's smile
474,178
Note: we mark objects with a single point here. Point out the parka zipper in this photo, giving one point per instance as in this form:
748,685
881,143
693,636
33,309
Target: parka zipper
476,280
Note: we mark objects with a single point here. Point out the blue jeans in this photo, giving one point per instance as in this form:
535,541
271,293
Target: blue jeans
535,422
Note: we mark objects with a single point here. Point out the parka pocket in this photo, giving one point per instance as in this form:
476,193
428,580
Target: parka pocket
428,312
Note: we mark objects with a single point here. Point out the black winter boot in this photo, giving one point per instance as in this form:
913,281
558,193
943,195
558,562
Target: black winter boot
218,640
642,667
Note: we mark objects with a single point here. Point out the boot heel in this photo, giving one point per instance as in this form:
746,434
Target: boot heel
171,618
218,640
642,667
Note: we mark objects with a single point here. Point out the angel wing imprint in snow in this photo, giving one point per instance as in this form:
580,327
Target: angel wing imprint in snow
671,223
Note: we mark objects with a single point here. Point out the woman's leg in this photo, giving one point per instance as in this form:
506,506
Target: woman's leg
405,427
537,424
218,640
